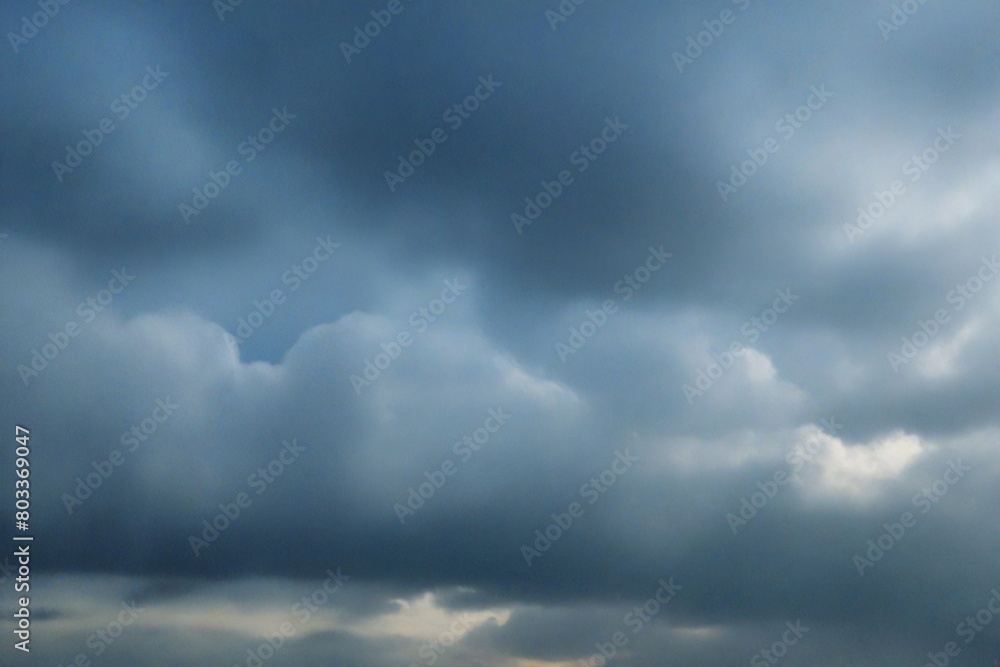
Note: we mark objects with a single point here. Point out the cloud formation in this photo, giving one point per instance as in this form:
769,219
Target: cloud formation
274,274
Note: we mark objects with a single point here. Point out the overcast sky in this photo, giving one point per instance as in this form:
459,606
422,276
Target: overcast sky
503,334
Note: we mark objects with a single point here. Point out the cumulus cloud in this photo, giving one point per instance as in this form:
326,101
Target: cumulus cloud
317,372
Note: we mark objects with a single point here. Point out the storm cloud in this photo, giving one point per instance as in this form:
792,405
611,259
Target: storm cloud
514,334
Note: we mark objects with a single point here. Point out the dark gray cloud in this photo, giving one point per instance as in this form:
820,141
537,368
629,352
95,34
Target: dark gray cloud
382,333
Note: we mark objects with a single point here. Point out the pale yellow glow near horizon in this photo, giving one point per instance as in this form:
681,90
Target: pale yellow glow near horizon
421,618
699,632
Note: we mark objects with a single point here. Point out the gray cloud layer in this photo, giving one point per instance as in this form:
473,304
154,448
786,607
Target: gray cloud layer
443,310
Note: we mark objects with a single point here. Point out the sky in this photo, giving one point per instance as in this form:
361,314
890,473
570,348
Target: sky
526,334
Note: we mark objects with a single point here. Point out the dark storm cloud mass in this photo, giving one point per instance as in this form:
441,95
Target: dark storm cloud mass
415,337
